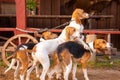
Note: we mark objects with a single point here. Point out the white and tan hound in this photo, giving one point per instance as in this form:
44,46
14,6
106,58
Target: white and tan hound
43,49
74,52
23,59
20,56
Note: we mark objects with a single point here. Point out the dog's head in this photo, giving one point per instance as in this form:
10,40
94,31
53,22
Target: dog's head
100,45
79,14
71,33
48,35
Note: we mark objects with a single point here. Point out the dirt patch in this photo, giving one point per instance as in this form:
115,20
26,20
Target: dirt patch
94,74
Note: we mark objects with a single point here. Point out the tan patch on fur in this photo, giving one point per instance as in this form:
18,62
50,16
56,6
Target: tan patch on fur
34,49
49,35
23,58
55,58
78,14
65,57
69,32
84,59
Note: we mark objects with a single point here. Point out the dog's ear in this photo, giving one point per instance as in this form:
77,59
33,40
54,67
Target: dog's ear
96,44
69,32
53,35
76,15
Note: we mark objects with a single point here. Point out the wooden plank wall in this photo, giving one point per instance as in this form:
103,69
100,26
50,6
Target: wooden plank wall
47,7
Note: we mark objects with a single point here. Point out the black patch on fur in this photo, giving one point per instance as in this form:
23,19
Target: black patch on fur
28,45
77,50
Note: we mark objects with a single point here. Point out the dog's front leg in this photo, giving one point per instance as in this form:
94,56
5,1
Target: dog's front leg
84,68
85,74
83,43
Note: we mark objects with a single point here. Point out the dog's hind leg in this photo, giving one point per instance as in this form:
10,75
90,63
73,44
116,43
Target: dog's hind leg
45,62
55,68
74,71
30,70
37,70
11,65
24,68
17,70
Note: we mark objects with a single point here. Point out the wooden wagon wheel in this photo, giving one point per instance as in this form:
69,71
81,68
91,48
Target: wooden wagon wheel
11,44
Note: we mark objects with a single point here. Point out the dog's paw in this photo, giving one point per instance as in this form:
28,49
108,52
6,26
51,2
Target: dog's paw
37,75
58,76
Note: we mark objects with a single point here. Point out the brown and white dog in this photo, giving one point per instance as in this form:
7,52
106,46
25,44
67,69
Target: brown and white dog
22,57
43,49
74,52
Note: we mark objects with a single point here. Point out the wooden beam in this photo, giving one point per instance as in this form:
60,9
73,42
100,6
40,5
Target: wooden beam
20,15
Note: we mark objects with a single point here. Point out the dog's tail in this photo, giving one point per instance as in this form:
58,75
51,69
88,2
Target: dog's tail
20,47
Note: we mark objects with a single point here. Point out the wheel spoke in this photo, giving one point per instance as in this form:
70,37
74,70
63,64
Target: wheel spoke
10,57
10,49
13,44
27,40
19,40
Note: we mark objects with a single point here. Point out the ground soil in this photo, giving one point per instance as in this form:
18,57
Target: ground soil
94,74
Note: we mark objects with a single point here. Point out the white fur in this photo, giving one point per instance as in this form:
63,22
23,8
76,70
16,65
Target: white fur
85,74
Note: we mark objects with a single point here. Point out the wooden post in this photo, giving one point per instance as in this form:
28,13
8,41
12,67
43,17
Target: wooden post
20,15
109,38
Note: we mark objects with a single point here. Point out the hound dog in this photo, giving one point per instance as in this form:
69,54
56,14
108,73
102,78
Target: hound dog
72,51
23,59
43,49
20,56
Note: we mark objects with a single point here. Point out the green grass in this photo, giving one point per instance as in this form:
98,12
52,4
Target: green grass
2,63
97,64
103,64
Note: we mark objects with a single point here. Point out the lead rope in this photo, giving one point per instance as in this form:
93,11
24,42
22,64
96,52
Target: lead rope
91,51
46,29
